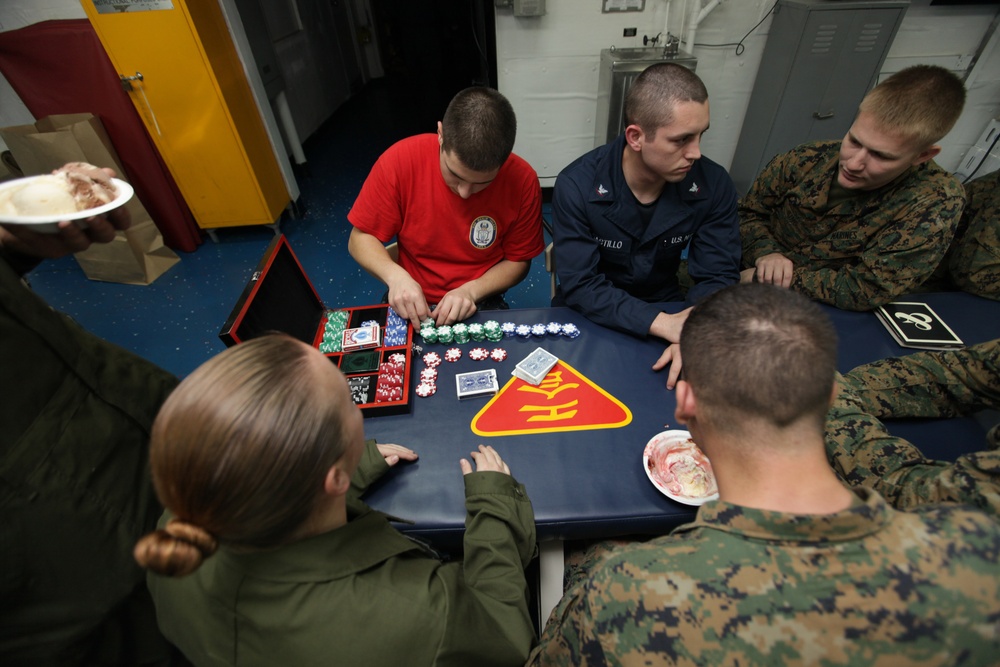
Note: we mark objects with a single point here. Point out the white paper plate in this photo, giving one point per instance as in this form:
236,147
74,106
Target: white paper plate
49,223
663,440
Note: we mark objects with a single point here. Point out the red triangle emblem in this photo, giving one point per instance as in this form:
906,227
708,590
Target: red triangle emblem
564,401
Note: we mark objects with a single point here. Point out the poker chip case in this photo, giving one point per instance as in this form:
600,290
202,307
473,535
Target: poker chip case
280,297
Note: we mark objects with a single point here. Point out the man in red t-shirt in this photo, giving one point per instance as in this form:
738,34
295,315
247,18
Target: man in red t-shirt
464,210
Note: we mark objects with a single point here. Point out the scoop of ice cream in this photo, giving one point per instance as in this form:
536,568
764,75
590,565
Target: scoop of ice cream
74,187
89,185
45,195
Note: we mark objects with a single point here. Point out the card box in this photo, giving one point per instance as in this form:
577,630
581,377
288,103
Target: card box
280,297
915,324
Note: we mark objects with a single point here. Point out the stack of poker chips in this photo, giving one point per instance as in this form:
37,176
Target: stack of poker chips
428,376
395,329
333,331
390,382
492,331
461,333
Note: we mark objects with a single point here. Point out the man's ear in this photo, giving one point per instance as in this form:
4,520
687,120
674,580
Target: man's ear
686,403
336,482
440,134
926,154
634,136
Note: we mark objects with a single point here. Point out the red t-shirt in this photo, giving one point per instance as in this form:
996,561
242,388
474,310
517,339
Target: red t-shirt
446,241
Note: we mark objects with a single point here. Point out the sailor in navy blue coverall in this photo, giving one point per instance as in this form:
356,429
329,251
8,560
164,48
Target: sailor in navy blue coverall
617,259
624,213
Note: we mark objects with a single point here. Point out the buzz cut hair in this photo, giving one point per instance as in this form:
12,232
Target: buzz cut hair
479,128
757,352
654,94
921,103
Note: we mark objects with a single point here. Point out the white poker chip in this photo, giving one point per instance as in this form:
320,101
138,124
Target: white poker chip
425,389
498,354
479,354
432,359
452,354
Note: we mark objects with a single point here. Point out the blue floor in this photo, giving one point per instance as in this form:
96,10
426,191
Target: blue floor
175,321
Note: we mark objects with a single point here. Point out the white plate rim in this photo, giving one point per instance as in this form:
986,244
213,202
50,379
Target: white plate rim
686,500
125,192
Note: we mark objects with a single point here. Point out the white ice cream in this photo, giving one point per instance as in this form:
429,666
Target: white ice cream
45,195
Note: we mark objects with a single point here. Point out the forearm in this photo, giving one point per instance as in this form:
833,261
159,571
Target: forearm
930,384
374,257
498,279
499,543
371,467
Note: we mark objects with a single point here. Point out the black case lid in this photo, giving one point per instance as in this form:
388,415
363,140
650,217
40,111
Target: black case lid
279,297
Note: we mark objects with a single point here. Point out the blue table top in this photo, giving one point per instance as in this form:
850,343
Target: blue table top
591,483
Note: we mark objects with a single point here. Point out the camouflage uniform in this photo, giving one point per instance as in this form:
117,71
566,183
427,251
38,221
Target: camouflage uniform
925,384
861,252
974,258
868,585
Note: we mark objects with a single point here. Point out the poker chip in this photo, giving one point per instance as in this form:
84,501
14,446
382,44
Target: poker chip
476,332
553,328
370,323
452,354
508,329
425,389
538,330
445,334
570,330
397,358
426,322
432,359
479,354
523,331
498,354
429,375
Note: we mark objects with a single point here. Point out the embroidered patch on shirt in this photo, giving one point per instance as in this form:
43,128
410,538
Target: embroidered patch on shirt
694,188
601,190
483,232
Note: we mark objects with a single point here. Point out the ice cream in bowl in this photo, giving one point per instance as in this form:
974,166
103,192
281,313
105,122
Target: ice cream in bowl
75,191
679,469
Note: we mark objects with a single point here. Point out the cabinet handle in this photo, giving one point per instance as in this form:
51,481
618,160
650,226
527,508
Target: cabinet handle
822,116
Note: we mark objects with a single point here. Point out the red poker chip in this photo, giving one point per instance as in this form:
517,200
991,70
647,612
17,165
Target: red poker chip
498,354
479,354
425,389
432,359
452,354
397,358
429,374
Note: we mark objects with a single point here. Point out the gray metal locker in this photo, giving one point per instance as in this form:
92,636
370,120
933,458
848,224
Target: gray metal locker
820,59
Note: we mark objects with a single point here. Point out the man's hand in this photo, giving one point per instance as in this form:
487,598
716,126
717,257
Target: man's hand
668,327
747,275
407,299
393,453
486,459
457,305
774,269
672,356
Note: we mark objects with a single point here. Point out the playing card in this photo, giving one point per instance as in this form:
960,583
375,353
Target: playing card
535,366
476,383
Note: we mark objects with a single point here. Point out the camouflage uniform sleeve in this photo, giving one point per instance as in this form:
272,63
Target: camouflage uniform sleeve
930,384
901,256
568,637
864,453
756,209
974,264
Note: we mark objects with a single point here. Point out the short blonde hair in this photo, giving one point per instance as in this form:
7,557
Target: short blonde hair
922,103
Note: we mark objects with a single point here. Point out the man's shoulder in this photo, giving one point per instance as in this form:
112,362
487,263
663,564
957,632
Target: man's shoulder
415,145
931,179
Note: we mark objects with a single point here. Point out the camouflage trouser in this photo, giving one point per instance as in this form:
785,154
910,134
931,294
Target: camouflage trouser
926,384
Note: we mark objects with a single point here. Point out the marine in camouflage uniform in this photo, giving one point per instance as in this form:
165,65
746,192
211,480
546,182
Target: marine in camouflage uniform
925,384
973,261
867,585
853,250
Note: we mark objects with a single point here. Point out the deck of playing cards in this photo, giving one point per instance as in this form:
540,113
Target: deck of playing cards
533,368
915,325
477,383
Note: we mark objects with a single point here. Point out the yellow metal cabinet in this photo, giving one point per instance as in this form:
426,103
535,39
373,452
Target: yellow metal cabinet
198,107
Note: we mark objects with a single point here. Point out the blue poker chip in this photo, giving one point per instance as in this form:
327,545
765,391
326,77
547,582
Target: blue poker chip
538,330
370,323
553,328
523,330
508,329
570,330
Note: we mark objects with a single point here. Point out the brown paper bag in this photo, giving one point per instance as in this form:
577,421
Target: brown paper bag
137,256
